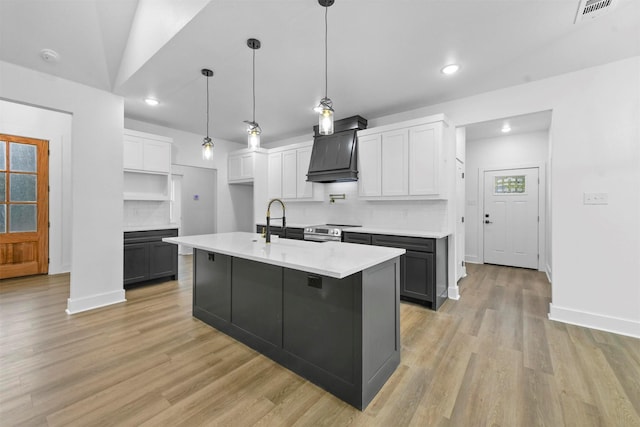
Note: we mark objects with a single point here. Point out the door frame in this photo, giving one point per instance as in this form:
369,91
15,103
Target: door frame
42,208
542,201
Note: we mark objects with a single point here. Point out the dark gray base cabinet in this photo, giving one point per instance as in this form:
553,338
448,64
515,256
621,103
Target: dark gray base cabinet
147,257
341,334
288,233
423,269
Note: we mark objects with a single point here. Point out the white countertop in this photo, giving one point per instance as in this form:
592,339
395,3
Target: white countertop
396,232
333,259
149,227
376,230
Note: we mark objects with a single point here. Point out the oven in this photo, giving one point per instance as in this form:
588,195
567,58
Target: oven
325,232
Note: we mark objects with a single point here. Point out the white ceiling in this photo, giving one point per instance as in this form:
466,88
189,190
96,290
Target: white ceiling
384,56
526,123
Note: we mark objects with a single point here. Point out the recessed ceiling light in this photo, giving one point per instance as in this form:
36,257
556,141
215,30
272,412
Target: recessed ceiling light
450,69
151,101
506,128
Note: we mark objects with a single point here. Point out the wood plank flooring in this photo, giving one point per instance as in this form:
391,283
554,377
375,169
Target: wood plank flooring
491,358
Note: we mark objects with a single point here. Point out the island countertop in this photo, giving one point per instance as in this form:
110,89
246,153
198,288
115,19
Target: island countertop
333,259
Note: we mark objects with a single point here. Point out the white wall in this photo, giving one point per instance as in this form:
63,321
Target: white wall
406,215
594,135
54,126
96,174
186,151
502,152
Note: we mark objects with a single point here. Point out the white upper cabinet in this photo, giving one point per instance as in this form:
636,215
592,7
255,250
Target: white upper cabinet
403,161
274,176
147,165
304,188
425,159
369,165
146,152
395,163
240,167
287,174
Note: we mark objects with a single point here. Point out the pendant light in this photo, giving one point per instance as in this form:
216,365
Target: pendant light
325,107
207,143
253,128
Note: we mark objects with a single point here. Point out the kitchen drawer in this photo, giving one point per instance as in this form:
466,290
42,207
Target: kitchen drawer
148,235
418,244
361,238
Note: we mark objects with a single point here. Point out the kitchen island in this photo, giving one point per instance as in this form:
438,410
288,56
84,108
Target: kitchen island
327,311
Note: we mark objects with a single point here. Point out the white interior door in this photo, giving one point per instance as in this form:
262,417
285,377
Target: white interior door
510,217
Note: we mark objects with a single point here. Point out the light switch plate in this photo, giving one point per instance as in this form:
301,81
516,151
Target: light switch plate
596,198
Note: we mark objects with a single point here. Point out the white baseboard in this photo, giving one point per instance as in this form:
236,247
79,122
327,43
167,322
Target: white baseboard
548,271
595,321
452,293
78,305
468,259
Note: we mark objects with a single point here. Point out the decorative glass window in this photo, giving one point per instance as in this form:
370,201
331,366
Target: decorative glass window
509,184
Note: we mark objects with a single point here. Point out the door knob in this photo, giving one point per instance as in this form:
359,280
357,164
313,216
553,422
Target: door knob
488,222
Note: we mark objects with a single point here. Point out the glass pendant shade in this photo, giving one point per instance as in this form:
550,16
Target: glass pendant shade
325,117
253,128
253,135
207,149
207,143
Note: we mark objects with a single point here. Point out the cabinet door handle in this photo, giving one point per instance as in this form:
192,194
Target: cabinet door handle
314,281
211,256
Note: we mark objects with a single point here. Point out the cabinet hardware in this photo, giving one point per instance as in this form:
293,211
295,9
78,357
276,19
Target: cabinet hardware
314,282
212,256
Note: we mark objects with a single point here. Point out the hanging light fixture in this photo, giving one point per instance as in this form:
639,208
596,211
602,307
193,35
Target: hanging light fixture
207,143
325,107
253,128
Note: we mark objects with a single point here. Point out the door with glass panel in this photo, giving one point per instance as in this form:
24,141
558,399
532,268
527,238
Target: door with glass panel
24,206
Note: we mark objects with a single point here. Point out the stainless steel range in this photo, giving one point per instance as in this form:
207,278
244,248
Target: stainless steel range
326,232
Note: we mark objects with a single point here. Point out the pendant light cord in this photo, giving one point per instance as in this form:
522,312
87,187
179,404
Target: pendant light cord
254,85
207,106
326,78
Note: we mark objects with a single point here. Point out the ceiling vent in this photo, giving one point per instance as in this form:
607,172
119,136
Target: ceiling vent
591,9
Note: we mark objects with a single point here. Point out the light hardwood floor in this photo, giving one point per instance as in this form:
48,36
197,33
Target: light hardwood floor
491,358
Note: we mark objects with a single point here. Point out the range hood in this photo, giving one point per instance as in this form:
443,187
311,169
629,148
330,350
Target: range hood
335,157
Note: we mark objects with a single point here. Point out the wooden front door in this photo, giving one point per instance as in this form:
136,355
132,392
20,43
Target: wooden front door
24,206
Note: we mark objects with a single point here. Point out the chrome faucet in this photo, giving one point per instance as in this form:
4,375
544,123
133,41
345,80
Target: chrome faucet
284,224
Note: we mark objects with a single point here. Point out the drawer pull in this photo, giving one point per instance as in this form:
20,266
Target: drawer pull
212,257
314,282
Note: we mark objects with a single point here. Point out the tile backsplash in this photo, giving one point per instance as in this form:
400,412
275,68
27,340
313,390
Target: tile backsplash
144,212
425,215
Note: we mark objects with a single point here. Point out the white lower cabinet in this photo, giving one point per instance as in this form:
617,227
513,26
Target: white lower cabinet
403,161
287,175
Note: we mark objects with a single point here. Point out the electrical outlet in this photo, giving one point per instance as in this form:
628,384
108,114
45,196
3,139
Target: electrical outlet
596,198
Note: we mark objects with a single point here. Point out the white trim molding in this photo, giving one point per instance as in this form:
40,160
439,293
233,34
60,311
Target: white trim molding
95,301
453,293
616,325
